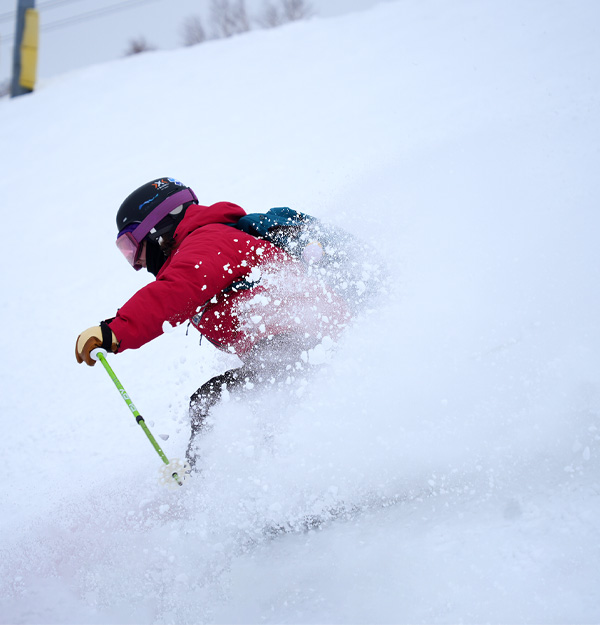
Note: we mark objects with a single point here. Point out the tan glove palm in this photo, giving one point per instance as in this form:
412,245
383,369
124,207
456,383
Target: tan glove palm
90,340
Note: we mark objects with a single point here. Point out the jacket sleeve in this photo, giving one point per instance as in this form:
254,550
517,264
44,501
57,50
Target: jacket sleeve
207,261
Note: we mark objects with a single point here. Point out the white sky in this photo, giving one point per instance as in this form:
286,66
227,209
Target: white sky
104,37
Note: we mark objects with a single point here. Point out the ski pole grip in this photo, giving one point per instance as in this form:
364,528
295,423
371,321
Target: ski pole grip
94,353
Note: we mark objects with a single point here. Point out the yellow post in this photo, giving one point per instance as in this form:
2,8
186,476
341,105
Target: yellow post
29,49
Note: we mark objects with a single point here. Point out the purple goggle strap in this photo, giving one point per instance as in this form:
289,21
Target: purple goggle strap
161,211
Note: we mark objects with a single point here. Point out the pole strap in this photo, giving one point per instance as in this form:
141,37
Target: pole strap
107,341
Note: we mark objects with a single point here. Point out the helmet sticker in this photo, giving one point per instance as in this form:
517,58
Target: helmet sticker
162,183
147,202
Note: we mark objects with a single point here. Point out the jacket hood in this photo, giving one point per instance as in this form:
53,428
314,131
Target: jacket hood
197,216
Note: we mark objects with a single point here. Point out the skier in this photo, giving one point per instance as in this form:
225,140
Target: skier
245,295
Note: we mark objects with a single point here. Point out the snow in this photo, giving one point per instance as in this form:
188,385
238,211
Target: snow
447,452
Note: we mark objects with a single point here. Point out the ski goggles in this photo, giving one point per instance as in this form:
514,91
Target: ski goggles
129,246
131,238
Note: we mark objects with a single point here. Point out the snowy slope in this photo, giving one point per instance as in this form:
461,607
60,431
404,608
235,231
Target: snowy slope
449,454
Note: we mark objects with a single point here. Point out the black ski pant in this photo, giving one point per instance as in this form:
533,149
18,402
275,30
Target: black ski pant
270,361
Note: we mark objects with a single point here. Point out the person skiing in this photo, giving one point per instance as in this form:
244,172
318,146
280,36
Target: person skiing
244,294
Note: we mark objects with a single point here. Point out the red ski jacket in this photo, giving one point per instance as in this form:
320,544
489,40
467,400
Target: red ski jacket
236,289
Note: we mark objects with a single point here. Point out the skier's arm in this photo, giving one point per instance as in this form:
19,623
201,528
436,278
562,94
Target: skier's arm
193,276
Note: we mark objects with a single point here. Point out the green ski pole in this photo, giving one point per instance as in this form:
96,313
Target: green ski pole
100,354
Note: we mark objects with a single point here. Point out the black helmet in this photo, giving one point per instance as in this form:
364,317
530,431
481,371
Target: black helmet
157,206
150,212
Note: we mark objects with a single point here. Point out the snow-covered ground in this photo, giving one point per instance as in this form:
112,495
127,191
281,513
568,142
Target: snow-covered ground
450,451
